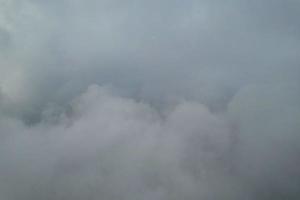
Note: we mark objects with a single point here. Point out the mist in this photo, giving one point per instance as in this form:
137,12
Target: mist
149,99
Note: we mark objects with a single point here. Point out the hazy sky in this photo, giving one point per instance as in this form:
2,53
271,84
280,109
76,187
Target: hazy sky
149,100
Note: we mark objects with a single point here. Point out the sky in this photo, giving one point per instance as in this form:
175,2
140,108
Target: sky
164,100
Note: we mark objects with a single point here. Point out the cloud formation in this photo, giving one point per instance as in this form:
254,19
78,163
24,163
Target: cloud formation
114,147
149,99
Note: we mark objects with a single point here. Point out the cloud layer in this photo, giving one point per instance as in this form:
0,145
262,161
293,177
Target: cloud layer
149,100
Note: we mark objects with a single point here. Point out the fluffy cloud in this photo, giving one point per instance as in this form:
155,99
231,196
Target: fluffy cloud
185,99
113,147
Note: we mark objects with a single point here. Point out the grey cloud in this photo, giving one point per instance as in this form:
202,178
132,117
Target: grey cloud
113,147
193,95
268,118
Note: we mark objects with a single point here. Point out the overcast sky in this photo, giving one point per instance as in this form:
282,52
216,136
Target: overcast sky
161,99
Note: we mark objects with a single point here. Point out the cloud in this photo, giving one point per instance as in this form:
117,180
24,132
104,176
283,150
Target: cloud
268,119
146,49
115,147
149,100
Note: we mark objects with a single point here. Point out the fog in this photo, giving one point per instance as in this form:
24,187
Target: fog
149,99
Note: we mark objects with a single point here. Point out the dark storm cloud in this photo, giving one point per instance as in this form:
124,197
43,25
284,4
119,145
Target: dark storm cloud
180,99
